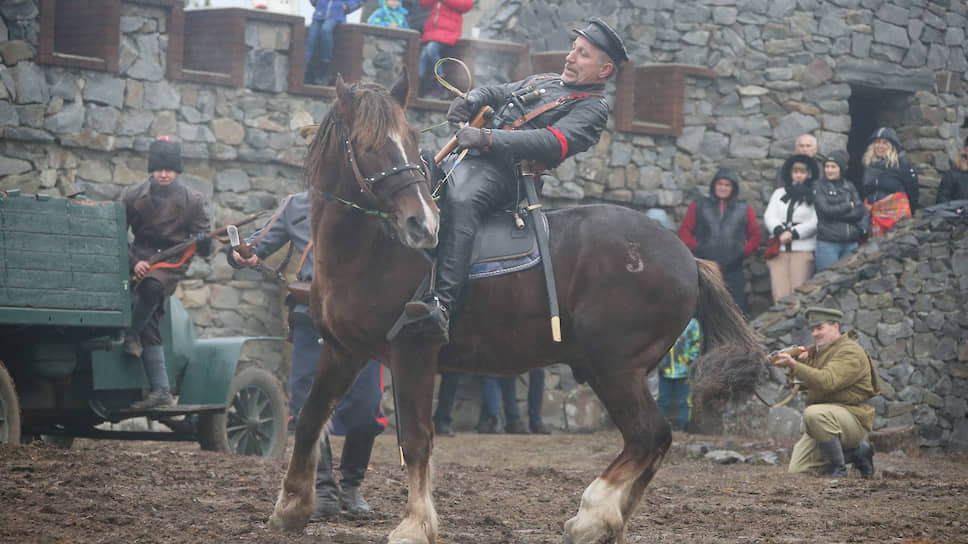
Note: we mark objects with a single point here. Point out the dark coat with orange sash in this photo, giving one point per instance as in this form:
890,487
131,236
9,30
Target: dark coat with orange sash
179,216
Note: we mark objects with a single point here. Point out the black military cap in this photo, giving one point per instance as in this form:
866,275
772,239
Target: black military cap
816,315
599,33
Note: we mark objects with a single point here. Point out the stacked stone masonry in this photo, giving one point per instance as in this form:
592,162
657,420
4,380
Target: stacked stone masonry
782,67
907,298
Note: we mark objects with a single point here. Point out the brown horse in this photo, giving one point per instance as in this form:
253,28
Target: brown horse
627,288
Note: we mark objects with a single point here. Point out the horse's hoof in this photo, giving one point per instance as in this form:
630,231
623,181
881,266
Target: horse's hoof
579,532
410,533
277,523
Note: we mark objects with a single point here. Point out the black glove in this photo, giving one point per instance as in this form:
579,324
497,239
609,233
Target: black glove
203,244
474,138
460,110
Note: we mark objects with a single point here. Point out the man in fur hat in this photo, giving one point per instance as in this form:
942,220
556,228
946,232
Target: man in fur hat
161,213
840,378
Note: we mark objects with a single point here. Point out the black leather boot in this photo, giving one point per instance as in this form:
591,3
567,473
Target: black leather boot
833,451
327,502
429,317
862,457
353,463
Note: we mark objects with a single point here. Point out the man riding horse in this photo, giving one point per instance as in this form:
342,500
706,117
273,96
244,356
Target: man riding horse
542,120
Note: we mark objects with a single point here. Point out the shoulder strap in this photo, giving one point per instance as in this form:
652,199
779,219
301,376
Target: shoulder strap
517,123
272,220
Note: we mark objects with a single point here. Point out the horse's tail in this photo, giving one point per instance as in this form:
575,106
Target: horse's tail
733,358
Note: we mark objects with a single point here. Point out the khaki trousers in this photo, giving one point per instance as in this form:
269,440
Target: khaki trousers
822,422
789,270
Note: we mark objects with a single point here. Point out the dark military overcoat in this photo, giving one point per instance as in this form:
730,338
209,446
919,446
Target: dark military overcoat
178,217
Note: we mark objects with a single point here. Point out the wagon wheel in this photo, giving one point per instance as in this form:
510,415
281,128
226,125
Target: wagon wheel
254,422
9,409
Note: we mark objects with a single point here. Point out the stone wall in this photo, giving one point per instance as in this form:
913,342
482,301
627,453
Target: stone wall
907,297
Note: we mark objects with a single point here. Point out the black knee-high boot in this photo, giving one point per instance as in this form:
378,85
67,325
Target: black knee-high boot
834,453
353,463
327,501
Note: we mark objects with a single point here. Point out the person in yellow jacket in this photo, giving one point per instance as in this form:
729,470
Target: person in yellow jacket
840,377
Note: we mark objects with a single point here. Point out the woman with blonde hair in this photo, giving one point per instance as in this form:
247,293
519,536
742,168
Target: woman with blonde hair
890,183
954,184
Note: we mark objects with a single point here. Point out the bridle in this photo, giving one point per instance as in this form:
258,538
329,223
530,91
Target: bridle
367,184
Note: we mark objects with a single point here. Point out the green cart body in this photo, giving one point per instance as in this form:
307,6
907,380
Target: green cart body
65,302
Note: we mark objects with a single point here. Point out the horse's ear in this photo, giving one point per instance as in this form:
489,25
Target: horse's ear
345,98
401,89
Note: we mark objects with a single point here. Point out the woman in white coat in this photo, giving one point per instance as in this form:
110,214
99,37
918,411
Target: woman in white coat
790,216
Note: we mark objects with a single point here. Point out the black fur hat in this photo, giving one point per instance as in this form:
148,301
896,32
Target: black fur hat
164,154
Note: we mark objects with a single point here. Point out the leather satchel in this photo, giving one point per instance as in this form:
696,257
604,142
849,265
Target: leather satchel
299,291
772,248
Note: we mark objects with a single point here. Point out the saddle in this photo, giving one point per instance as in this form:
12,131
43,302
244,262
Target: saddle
502,248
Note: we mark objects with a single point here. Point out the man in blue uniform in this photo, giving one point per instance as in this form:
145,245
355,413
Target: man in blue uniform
358,415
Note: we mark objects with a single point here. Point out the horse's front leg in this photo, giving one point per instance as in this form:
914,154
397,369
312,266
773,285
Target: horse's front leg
334,376
413,376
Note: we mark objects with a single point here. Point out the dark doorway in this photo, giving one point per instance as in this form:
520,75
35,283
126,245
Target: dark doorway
871,108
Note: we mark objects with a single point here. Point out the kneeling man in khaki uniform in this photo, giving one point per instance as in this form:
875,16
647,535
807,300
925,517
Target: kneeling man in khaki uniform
839,379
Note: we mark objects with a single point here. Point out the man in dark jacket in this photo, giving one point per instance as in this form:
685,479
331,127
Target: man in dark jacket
545,118
358,414
161,213
723,228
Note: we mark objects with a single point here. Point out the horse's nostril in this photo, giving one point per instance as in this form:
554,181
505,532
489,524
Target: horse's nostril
414,224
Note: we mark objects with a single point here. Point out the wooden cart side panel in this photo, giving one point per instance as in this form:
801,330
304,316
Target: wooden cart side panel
63,262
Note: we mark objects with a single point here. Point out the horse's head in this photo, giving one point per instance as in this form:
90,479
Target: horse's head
383,153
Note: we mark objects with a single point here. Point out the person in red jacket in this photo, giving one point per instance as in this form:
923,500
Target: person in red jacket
723,228
440,32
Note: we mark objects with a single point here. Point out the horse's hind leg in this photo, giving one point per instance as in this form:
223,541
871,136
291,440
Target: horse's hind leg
608,503
334,376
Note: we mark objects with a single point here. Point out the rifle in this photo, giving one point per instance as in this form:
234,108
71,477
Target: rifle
246,251
187,248
793,351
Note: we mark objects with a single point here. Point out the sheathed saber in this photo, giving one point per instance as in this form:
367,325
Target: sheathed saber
541,234
396,418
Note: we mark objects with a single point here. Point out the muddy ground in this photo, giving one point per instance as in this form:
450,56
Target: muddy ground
489,489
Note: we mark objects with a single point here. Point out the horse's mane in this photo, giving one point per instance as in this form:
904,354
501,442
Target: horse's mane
375,115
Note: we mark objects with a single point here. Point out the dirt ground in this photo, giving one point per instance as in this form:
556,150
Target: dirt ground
489,489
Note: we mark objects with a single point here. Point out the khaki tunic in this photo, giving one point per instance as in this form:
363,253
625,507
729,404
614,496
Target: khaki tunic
180,216
841,373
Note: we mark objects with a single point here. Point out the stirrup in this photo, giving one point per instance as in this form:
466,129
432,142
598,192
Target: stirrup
423,317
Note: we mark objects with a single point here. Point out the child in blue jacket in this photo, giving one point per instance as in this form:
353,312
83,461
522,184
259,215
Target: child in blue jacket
390,13
673,376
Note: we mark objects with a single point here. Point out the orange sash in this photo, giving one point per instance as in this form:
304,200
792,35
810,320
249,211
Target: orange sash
886,212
